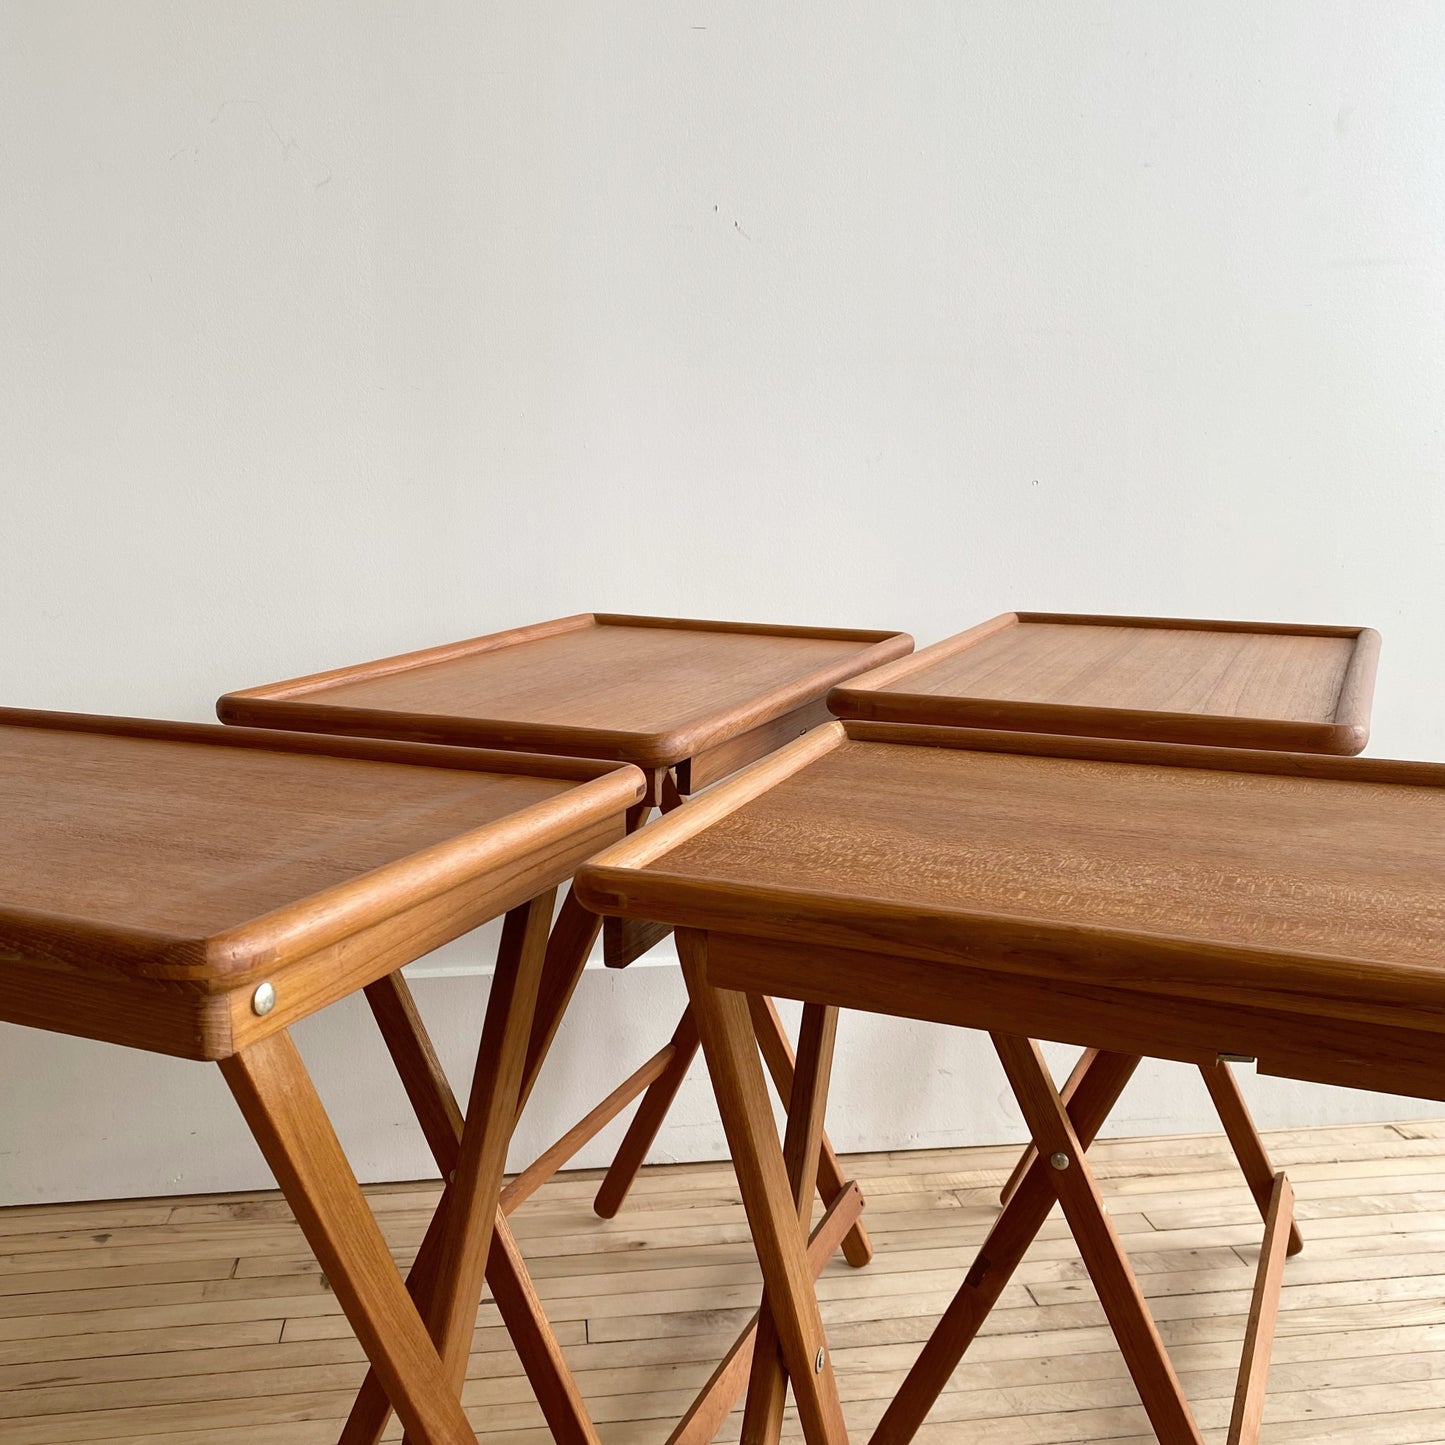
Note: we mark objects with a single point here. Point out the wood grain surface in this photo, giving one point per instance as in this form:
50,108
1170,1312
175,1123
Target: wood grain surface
151,872
1312,882
1166,679
206,1321
191,841
652,691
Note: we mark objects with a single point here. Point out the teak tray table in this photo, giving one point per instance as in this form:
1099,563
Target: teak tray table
1142,899
689,702
196,890
1284,686
1228,684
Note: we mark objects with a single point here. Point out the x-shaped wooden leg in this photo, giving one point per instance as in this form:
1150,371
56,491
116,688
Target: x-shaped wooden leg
1244,1139
778,1056
568,947
730,1047
715,1401
802,1147
469,1228
778,1053
1095,1094
1233,1113
1056,1138
573,934
754,1354
802,1085
276,1096
1062,1132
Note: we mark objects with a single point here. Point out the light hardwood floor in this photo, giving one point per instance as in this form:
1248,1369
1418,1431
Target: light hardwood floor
205,1320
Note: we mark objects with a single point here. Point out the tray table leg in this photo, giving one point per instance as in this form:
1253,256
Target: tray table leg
802,1147
714,1403
1248,1413
1244,1138
1073,1181
1229,1104
573,934
441,1118
1097,1091
778,1055
527,1326
276,1096
490,1118
730,1047
641,1132
647,1120
1026,1159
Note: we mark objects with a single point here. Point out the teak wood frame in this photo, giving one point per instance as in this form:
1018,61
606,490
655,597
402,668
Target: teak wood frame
1059,1172
675,761
739,941
79,977
884,696
703,749
657,1081
566,951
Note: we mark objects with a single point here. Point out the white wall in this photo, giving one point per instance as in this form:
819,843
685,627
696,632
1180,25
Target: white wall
337,329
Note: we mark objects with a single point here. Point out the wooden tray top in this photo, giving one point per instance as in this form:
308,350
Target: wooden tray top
1222,684
165,861
647,690
1305,886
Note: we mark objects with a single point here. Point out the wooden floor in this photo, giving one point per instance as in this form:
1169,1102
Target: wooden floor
205,1320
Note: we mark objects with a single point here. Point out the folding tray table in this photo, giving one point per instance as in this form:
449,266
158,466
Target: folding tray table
686,701
196,890
1234,684
1146,900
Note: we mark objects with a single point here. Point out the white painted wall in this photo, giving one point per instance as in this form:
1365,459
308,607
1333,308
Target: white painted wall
337,329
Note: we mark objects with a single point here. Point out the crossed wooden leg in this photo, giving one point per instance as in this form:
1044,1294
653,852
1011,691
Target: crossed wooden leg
469,1229
714,1403
778,1055
729,1044
278,1100
1244,1138
573,935
659,1079
1095,1093
1054,1135
1233,1113
445,1280
802,1148
1062,1132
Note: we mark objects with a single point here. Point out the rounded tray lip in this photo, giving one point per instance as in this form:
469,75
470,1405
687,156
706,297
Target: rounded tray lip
289,705
881,694
632,879
589,791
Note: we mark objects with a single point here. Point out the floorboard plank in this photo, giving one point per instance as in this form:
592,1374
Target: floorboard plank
204,1321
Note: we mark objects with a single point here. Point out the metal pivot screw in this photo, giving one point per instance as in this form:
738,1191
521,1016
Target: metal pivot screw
818,1361
1059,1161
263,1000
